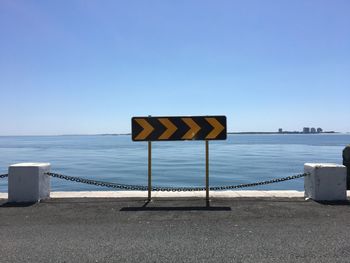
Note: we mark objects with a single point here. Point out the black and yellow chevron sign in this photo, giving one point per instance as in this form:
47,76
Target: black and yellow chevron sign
179,128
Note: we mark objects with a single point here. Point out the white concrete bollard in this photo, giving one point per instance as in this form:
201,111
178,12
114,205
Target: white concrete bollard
326,182
27,182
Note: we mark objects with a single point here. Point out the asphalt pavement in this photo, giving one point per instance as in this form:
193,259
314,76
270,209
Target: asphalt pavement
177,230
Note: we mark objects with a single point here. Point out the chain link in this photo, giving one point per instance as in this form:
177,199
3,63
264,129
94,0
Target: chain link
3,175
170,189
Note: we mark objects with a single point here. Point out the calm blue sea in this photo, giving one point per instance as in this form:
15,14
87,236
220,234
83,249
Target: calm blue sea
239,159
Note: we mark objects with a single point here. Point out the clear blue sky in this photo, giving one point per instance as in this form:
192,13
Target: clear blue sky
89,66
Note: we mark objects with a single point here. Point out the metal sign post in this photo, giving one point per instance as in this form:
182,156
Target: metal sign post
207,172
179,128
149,171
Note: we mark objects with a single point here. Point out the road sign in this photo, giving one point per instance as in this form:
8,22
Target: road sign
179,128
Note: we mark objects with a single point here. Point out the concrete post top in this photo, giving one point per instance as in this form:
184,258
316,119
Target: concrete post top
30,165
323,165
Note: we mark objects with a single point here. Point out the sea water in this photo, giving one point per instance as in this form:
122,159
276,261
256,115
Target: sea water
240,159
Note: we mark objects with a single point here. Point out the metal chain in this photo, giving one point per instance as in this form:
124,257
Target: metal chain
260,183
3,175
98,183
170,189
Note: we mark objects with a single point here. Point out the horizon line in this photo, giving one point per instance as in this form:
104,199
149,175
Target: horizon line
125,134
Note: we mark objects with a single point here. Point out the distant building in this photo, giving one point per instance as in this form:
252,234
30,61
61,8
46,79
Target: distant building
319,130
280,130
306,130
313,130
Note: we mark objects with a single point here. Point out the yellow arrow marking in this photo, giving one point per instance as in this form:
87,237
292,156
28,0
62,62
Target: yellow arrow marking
147,129
194,128
218,128
170,128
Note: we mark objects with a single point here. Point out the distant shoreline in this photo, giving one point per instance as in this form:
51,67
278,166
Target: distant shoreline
257,133
235,133
327,132
230,133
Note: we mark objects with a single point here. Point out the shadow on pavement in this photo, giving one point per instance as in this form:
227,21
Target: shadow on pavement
178,208
8,204
335,203
207,207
